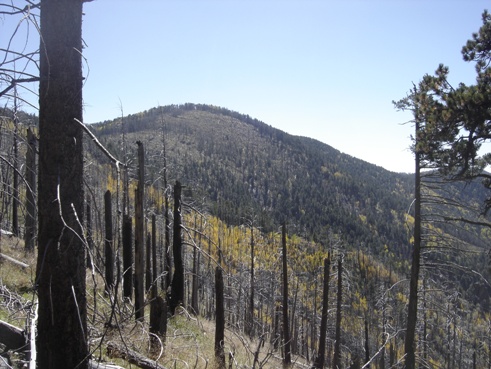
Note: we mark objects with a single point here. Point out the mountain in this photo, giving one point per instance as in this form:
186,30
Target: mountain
241,170
241,166
243,178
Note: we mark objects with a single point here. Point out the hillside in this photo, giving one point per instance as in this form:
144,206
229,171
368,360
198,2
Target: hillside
242,179
241,166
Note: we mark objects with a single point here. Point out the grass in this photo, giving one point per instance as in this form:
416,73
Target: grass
189,342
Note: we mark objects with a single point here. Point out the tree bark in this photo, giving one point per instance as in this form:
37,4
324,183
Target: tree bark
336,361
15,173
321,357
250,308
148,263
139,237
219,320
177,287
108,242
31,171
127,257
412,313
60,275
286,330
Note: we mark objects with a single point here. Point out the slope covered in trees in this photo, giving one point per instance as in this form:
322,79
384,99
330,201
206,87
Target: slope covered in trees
240,165
241,179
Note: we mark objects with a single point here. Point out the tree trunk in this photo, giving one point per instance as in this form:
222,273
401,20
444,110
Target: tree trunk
31,173
139,238
108,242
127,257
320,360
412,313
90,240
336,362
60,276
194,292
15,174
177,287
286,330
250,310
148,263
219,320
154,256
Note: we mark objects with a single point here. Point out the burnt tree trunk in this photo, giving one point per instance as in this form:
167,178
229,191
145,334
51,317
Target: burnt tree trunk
127,257
60,275
139,237
177,286
286,330
321,357
220,320
108,242
90,241
15,173
157,308
31,174
336,361
412,311
148,263
250,309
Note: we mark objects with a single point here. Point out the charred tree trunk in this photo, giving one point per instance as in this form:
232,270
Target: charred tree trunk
157,308
220,320
108,242
250,310
31,170
15,173
194,292
139,237
127,257
321,357
154,256
90,240
412,313
336,362
286,330
60,275
148,263
177,287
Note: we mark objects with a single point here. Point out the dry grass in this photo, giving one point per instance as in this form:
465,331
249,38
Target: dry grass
189,342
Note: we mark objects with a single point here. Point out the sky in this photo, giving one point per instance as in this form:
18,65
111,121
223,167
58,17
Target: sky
326,69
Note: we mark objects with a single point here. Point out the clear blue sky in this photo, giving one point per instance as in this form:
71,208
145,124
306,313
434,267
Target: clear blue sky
325,69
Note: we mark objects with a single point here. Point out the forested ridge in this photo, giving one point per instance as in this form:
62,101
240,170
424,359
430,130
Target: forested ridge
241,179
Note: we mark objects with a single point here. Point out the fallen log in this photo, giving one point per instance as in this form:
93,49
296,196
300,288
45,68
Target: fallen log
12,260
115,350
96,365
12,337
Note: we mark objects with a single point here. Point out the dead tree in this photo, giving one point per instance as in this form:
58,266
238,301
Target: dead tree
158,311
108,242
30,176
219,320
139,237
286,330
250,309
127,256
60,275
148,263
336,361
320,360
177,286
15,172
